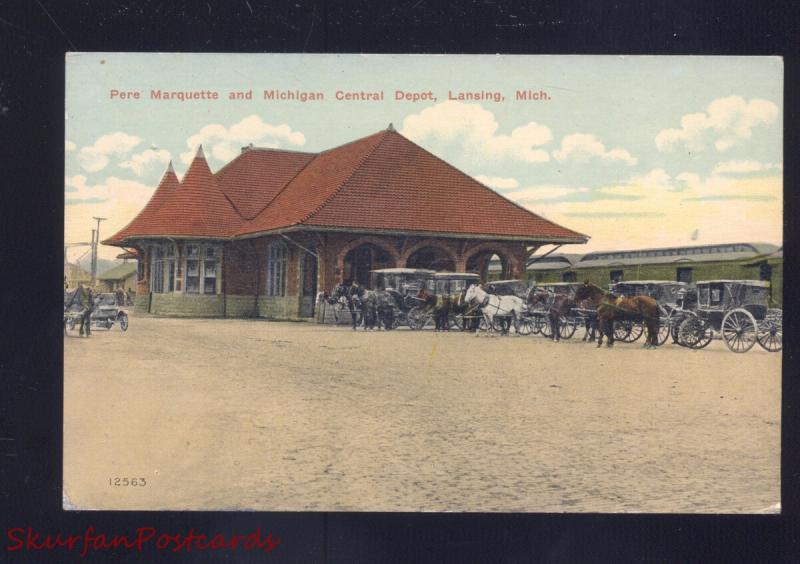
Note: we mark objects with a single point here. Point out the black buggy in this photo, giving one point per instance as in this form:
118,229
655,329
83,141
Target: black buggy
450,287
737,311
568,323
403,284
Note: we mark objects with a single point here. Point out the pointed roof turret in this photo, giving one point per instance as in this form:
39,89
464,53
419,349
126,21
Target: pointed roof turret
391,127
143,221
198,207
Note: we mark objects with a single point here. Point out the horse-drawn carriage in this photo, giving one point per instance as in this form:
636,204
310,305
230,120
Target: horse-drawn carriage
443,295
737,311
549,299
670,297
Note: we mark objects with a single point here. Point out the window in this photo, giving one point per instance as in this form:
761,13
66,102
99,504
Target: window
569,277
192,269
162,268
615,276
765,271
202,264
685,275
276,269
210,271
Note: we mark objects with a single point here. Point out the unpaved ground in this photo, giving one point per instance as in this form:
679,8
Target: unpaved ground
235,414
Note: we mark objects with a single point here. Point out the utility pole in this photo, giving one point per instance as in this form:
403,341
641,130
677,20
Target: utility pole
95,243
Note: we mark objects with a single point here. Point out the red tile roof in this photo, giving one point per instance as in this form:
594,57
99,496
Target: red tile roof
382,182
142,223
253,179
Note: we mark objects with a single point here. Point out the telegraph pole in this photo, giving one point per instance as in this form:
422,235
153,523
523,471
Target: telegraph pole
95,243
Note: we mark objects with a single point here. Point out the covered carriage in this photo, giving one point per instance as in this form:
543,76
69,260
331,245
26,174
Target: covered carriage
568,323
404,285
738,312
448,289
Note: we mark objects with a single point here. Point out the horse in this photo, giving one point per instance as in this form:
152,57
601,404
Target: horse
558,305
496,306
345,294
439,305
611,307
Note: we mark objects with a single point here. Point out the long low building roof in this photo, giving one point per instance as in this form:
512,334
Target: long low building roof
380,183
669,255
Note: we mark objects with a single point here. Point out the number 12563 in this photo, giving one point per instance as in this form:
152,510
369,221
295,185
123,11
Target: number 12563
127,482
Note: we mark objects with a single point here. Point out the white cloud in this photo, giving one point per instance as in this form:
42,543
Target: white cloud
114,198
726,122
545,192
224,143
475,130
69,146
144,161
723,209
95,157
498,182
743,167
584,147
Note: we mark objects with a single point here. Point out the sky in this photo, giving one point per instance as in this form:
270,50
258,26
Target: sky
633,151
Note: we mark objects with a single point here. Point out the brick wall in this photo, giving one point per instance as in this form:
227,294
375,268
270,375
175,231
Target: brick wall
182,305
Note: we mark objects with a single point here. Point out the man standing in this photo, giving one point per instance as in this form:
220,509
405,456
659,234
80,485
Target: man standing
87,305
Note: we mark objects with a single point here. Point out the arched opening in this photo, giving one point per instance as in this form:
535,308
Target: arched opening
360,260
488,265
433,258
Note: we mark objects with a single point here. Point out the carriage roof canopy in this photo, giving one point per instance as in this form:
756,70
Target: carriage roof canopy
380,183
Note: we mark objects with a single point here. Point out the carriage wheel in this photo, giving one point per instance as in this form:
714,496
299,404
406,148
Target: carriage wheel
770,333
622,331
739,330
567,327
123,321
628,331
418,318
664,330
694,333
525,326
544,328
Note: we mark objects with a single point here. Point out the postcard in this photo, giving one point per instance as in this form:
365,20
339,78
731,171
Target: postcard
450,283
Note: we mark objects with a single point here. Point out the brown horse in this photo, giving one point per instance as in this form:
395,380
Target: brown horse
611,307
439,305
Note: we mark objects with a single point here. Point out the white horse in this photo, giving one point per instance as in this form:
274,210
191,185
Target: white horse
493,306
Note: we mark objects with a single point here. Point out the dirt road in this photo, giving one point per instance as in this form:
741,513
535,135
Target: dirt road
235,414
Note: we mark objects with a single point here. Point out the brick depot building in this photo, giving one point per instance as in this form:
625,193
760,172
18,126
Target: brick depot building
272,228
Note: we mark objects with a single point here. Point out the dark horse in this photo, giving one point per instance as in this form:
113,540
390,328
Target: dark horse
439,305
611,307
558,305
376,308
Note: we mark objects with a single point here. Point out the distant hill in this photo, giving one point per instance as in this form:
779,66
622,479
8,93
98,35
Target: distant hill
103,265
